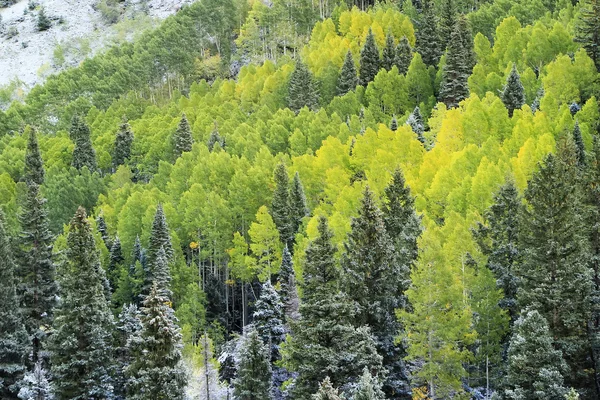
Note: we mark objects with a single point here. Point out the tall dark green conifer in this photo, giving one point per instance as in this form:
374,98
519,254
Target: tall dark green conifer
254,372
160,237
287,283
369,60
81,345
34,166
579,146
587,29
182,138
459,64
298,206
84,154
280,205
513,94
428,37
115,263
123,142
389,53
447,22
14,341
417,124
268,319
128,331
348,79
302,89
103,231
404,55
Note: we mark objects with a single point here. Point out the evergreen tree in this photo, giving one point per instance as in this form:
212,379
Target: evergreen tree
182,138
323,338
215,138
268,319
123,142
14,341
416,123
35,385
579,146
162,274
394,124
513,94
534,366
587,29
43,22
375,278
369,60
160,237
389,53
156,372
81,345
498,239
34,165
115,263
459,64
129,327
428,37
447,22
404,55
347,80
254,371
368,388
287,282
37,288
84,154
555,278
298,206
302,89
280,205
103,231
327,391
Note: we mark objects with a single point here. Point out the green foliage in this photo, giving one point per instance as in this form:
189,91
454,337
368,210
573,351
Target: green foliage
458,66
369,60
302,90
513,95
327,391
182,139
254,372
404,55
429,43
587,29
348,79
43,22
389,53
123,142
34,165
280,205
84,154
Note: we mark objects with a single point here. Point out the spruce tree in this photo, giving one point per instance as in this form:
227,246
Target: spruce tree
579,146
129,327
280,205
534,366
81,344
37,288
368,388
115,263
254,379
302,89
327,391
513,94
182,138
555,278
447,22
35,384
417,124
34,166
389,53
323,338
215,138
123,142
160,237
14,341
298,205
369,60
587,29
404,55
156,372
103,231
347,80
287,283
459,64
428,37
268,319
84,154
394,124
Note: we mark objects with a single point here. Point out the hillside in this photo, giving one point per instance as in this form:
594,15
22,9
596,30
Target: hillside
341,199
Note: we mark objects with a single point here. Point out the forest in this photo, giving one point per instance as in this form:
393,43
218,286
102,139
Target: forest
311,200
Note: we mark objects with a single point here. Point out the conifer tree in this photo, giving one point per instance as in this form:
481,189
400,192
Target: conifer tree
404,55
555,278
268,319
447,22
103,231
115,263
428,37
587,29
327,391
302,89
254,379
415,121
513,94
182,138
287,282
35,384
579,146
389,53
161,273
280,205
459,64
14,341
160,237
368,388
394,124
123,142
534,366
156,372
347,80
81,345
34,166
37,288
215,138
369,60
84,154
323,338
298,206
128,327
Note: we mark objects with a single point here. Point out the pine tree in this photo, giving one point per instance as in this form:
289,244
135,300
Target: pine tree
579,146
280,205
37,288
347,80
513,94
416,123
115,263
302,89
404,55
268,319
323,338
287,282
459,64
587,29
555,278
34,165
327,391
428,38
369,60
103,231
156,372
129,327
182,138
215,138
84,154
394,124
123,142
375,278
534,366
254,371
43,22
389,53
368,388
160,237
298,206
81,345
161,274
447,22
35,385
14,341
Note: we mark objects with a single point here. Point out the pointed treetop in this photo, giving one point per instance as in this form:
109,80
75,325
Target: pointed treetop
327,391
369,60
302,89
579,145
394,124
369,387
182,139
404,55
513,94
84,154
34,166
389,53
348,79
